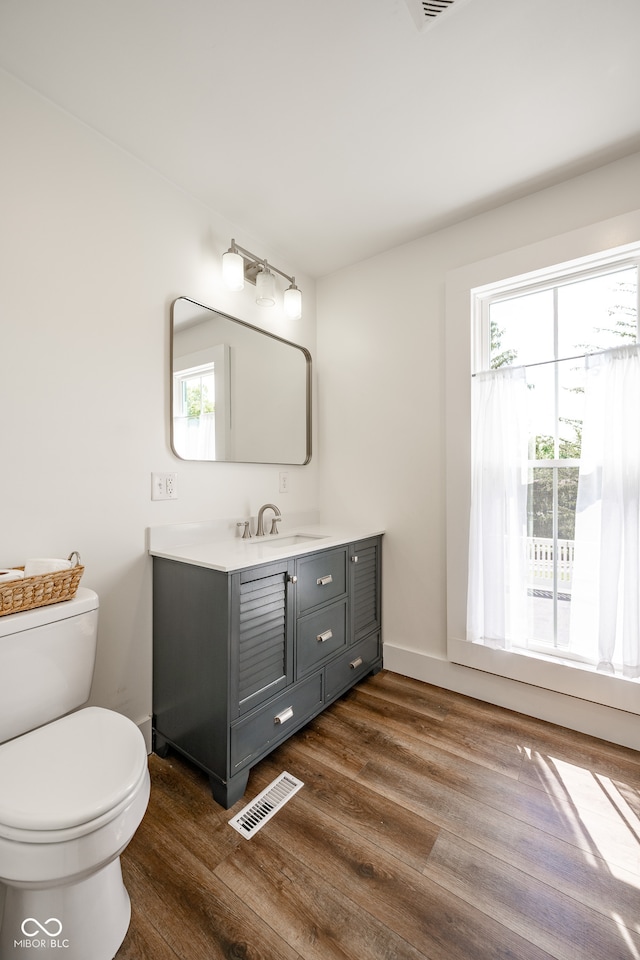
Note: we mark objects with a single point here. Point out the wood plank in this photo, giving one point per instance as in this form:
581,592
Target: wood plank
341,755
579,872
432,779
588,787
528,732
143,940
363,812
188,811
367,895
198,917
469,741
555,922
430,827
313,917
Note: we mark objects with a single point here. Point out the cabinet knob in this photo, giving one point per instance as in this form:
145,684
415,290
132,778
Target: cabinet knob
356,663
284,716
292,579
354,558
323,581
322,637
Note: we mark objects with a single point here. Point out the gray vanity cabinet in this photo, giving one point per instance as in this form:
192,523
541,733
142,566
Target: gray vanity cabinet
242,660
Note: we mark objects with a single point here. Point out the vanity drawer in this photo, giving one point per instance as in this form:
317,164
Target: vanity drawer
356,663
275,721
321,578
319,636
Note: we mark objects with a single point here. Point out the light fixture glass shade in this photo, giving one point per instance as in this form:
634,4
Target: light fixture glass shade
233,270
293,302
265,288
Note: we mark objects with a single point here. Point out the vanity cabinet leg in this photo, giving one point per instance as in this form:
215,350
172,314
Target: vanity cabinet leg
160,745
226,794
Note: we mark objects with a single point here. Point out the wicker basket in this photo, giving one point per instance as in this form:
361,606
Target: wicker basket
29,592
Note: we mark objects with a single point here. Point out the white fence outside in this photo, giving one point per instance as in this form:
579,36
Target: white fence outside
540,563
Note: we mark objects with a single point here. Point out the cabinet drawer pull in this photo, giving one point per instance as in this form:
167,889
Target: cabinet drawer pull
324,636
323,581
284,716
356,663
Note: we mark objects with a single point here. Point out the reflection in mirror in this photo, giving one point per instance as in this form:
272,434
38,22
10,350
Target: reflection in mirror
238,393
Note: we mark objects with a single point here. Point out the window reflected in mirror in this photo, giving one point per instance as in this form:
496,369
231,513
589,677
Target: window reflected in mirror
239,394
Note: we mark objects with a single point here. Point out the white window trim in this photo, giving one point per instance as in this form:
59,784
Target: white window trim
217,356
535,263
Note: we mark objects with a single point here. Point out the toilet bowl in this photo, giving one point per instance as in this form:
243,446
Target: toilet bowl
72,794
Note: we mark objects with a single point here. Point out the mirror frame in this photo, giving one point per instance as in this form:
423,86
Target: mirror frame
265,333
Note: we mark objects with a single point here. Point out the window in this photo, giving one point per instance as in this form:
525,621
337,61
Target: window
194,411
201,404
195,392
548,326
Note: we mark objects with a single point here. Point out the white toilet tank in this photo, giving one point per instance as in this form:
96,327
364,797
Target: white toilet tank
47,657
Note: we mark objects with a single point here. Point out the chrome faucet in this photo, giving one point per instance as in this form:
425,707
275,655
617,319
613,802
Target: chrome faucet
274,521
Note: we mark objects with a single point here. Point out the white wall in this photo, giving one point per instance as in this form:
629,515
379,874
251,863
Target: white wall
381,369
94,246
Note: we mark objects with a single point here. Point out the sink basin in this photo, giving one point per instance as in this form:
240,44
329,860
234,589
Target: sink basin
280,542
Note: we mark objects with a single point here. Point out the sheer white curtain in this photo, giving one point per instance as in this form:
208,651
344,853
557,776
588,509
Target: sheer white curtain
497,592
195,437
605,612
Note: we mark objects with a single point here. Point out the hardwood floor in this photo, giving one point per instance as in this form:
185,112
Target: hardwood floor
430,826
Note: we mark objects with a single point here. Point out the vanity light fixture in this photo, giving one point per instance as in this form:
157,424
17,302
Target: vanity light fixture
240,265
233,269
265,288
293,302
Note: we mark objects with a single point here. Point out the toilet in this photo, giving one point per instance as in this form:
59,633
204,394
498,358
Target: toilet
74,786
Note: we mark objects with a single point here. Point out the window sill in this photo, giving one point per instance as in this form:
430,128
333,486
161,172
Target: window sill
571,678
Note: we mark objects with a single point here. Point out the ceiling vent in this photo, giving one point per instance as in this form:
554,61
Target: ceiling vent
426,13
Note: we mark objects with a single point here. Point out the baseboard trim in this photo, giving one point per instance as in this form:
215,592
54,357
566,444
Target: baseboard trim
596,720
144,726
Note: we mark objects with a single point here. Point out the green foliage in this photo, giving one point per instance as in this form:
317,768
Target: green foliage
623,313
621,325
504,358
540,502
198,401
568,448
541,489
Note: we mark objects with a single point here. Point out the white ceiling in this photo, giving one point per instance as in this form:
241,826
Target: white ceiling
336,129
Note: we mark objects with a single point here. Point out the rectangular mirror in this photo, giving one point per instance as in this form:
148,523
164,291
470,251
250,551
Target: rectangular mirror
238,394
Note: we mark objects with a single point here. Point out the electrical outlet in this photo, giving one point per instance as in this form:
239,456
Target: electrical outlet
284,482
164,486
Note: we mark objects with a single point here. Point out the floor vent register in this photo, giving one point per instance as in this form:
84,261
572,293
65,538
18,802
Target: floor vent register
265,805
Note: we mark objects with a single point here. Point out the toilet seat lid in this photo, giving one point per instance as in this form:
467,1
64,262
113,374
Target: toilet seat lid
71,771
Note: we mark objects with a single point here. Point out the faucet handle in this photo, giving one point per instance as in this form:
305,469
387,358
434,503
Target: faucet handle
247,532
274,525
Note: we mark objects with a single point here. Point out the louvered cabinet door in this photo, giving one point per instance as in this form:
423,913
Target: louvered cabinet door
365,571
262,634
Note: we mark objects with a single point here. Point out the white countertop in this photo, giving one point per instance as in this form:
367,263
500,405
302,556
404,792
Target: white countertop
235,553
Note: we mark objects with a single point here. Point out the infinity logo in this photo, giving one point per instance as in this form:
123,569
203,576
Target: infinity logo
52,927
